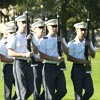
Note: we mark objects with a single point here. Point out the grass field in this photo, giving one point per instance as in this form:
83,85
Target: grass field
70,93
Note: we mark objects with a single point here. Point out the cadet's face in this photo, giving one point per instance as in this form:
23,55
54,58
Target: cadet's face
52,29
21,25
80,32
39,31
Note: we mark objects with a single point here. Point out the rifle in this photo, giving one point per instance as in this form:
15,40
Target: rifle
86,53
46,31
29,42
62,64
28,31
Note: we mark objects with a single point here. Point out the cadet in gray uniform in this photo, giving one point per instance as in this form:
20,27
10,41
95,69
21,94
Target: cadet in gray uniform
8,64
53,78
81,80
38,33
23,73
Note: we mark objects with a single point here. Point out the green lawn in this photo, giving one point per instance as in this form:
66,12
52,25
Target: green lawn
70,94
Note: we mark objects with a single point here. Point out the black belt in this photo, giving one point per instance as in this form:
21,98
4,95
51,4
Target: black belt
38,62
22,60
52,64
7,64
78,64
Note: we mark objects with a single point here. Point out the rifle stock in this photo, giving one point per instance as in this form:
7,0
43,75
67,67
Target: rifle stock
46,31
28,30
29,41
62,64
88,68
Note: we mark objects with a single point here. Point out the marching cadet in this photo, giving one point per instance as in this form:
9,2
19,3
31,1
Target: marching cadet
81,80
17,48
53,77
7,64
38,33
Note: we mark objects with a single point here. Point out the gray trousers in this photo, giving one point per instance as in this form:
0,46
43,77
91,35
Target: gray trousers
53,80
23,74
8,80
81,80
37,70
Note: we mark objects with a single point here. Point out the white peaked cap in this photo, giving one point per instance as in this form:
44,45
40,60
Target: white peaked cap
51,22
80,25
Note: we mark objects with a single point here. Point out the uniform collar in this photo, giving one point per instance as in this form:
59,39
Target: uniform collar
51,36
36,37
77,40
19,33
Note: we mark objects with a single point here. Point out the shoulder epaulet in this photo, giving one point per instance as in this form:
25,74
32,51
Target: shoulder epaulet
45,37
5,42
15,34
5,37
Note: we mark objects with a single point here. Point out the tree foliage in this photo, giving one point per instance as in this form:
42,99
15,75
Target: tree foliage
6,3
70,11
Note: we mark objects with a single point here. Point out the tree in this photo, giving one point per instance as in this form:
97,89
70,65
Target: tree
70,11
6,3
